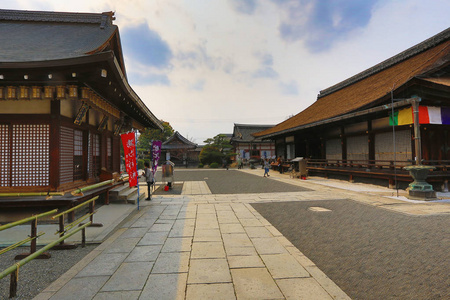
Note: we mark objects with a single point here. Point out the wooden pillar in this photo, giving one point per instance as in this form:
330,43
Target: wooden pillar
371,141
323,152
55,125
86,148
344,145
417,142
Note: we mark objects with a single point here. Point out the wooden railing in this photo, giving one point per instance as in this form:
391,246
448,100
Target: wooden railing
353,163
65,231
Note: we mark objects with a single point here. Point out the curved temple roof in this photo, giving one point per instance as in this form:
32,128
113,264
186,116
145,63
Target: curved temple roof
39,35
367,88
41,39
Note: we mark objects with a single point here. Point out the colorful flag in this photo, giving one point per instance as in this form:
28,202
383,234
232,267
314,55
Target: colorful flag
129,148
405,116
427,115
156,154
434,115
424,117
393,119
445,115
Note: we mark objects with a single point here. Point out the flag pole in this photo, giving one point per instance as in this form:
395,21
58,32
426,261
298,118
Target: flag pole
137,171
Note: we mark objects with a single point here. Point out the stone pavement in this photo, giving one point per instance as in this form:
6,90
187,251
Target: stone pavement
204,246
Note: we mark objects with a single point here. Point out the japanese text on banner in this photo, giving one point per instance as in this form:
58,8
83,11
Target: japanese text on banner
129,147
156,154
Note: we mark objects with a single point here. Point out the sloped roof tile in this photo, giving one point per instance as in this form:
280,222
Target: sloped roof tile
39,36
360,93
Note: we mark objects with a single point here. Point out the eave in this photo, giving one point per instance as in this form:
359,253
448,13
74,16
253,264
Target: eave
114,88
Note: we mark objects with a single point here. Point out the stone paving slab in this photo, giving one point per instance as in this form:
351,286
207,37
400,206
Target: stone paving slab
217,291
165,286
203,247
130,276
255,283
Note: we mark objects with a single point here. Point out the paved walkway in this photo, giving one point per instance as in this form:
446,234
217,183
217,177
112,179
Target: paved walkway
204,246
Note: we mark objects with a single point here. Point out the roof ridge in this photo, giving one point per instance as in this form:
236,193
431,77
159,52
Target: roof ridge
60,17
253,125
414,50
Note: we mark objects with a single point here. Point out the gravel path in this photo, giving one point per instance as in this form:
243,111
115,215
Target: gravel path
36,275
371,253
234,182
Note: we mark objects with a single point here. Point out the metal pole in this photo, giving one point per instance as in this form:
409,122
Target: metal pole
135,150
417,142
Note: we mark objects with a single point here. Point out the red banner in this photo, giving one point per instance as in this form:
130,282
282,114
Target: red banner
129,148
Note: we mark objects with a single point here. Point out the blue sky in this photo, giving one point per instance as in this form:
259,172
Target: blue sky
204,65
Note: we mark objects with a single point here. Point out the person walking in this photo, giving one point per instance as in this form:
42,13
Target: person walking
266,167
149,178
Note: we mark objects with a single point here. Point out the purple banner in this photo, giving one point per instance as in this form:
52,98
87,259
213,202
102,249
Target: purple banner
156,154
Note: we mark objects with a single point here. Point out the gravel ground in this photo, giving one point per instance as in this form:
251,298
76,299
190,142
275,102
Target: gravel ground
234,182
371,253
36,275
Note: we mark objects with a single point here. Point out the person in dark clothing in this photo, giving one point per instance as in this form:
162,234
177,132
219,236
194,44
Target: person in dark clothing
149,179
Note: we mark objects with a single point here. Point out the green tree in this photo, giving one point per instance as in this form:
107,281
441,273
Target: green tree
148,135
210,154
216,149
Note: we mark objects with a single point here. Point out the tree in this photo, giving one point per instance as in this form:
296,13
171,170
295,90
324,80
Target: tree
148,135
216,150
210,154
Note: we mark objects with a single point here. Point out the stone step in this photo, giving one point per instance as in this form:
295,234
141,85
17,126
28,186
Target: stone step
115,192
126,194
133,199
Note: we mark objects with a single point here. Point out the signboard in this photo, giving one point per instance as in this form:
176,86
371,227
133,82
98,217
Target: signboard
129,148
156,154
81,113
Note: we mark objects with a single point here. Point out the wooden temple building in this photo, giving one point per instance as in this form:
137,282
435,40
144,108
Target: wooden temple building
64,100
249,147
179,150
363,126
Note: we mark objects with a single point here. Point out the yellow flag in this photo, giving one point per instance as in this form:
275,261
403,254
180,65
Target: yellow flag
405,116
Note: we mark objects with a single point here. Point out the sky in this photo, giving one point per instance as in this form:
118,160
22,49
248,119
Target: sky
204,65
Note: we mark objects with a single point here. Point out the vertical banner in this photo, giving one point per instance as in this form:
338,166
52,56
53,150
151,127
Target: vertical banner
156,154
129,148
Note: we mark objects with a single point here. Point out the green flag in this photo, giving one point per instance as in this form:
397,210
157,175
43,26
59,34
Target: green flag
393,120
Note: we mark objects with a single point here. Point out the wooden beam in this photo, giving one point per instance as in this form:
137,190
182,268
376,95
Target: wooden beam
55,125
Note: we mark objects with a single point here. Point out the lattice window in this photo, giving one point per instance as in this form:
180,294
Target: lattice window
5,175
334,149
66,155
77,155
109,152
96,154
30,155
384,146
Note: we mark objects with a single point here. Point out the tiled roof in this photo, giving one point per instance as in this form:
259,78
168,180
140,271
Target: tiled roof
39,36
244,132
177,141
361,92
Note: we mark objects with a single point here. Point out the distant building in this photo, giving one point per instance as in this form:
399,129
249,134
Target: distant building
64,100
248,146
180,151
348,130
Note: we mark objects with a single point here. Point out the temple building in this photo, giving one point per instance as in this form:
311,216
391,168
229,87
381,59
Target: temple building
364,126
181,151
64,100
249,147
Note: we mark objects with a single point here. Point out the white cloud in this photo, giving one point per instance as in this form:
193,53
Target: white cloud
218,48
